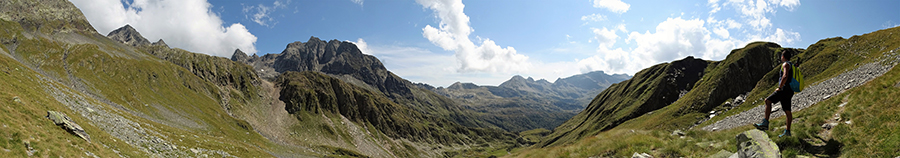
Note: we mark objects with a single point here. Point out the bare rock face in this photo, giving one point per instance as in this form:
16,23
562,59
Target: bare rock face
47,16
128,35
240,56
755,143
61,120
333,57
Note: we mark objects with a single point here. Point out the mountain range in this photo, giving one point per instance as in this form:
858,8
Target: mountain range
68,91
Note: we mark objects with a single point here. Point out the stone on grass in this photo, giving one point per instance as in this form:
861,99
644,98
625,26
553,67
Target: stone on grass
756,143
60,119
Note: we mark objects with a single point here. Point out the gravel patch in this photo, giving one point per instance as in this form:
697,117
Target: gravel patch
148,141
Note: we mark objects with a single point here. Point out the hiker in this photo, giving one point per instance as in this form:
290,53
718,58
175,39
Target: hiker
782,94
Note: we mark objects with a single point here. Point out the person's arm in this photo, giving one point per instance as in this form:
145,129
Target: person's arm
784,77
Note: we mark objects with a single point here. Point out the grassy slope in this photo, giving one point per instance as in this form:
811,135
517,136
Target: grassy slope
825,59
312,96
170,99
24,107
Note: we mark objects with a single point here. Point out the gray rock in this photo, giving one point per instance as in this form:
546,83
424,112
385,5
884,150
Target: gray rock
66,123
678,133
828,126
756,143
722,154
641,155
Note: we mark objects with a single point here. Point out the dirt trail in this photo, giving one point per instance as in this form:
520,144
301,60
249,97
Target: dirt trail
813,93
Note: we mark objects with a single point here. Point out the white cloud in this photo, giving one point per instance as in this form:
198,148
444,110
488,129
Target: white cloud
593,17
605,37
453,34
673,39
360,2
787,3
722,32
186,24
616,6
755,12
260,14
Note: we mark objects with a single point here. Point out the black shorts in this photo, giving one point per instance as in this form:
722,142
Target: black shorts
784,96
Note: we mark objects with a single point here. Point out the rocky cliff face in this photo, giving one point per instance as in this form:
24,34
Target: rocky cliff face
333,57
46,16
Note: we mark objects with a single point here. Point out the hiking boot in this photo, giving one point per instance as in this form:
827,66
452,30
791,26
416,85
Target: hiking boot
762,126
786,133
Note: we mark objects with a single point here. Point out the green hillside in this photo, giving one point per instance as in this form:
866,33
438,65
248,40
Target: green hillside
144,100
650,132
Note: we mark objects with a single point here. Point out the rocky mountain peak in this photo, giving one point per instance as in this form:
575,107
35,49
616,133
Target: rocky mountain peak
128,35
239,56
160,43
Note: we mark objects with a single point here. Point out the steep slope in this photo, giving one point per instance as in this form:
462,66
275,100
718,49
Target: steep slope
521,104
312,96
343,60
648,90
132,103
832,117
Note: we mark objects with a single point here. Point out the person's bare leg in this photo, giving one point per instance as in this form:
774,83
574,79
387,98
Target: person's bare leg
789,119
768,109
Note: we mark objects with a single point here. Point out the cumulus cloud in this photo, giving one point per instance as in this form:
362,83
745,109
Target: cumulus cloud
616,6
186,24
453,34
673,39
676,38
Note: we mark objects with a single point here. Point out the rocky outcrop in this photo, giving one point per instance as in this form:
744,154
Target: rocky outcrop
239,56
61,120
129,36
46,16
160,43
335,58
218,70
756,144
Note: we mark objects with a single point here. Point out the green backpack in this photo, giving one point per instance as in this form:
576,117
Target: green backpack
797,83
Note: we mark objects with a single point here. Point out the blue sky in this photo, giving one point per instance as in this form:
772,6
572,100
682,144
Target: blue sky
440,42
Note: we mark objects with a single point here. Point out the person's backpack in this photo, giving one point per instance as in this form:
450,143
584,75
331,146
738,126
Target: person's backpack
797,84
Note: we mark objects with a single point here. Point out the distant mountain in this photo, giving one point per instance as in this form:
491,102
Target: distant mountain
344,60
520,103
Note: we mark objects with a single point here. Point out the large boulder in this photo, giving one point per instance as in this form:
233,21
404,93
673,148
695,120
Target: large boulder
756,143
61,120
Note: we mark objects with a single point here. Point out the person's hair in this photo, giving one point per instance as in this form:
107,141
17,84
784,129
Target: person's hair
786,54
